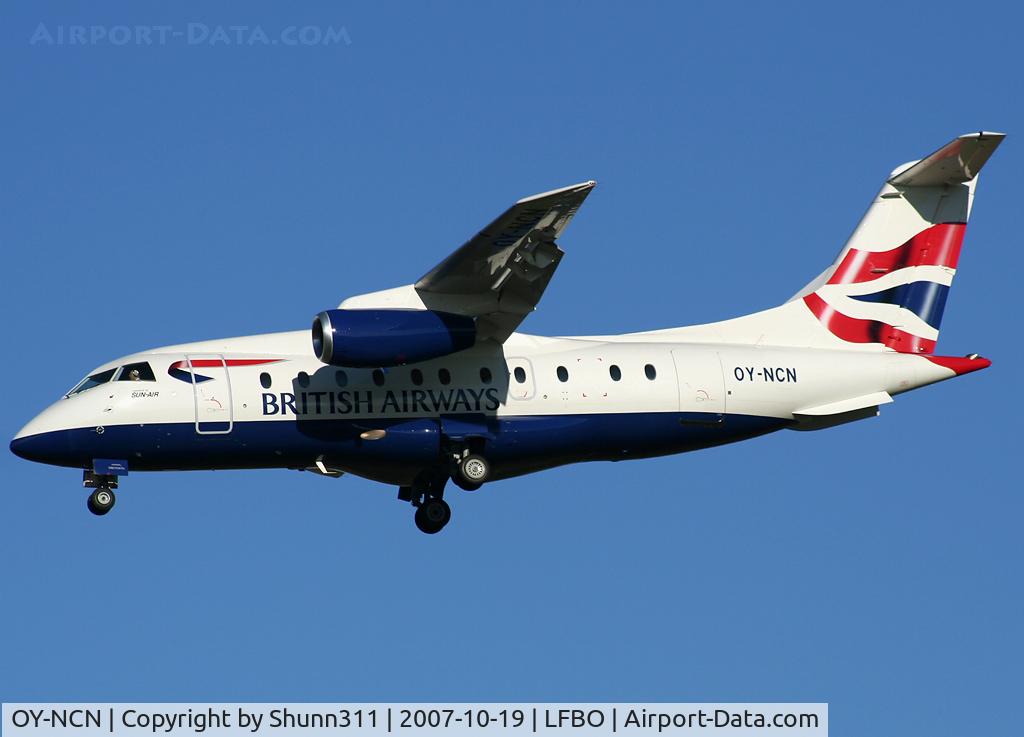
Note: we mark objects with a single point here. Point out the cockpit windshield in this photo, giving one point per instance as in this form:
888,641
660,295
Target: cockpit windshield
92,380
141,371
136,372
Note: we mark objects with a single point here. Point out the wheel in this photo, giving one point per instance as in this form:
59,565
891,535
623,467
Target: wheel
101,501
463,484
433,515
475,469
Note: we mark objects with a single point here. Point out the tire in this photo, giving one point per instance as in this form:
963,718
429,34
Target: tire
101,501
474,469
432,516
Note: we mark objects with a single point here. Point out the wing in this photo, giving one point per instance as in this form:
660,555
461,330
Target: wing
499,275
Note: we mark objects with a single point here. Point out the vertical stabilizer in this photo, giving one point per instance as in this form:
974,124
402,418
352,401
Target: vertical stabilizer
889,283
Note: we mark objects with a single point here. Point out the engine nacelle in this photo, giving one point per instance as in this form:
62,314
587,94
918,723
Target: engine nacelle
373,338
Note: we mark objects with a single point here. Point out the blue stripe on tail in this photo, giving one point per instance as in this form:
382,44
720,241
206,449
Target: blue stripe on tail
926,299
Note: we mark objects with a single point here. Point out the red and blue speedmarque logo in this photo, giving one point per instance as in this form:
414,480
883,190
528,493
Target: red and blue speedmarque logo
180,369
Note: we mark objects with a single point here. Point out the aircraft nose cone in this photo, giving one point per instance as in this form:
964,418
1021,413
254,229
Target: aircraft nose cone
48,447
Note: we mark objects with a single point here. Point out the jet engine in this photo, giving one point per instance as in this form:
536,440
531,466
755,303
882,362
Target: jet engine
388,337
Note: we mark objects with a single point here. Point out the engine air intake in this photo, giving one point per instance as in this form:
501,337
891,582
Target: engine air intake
380,338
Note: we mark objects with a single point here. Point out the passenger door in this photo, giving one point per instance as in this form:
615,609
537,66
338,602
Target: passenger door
211,393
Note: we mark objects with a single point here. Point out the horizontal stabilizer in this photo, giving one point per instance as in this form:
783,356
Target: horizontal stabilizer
957,162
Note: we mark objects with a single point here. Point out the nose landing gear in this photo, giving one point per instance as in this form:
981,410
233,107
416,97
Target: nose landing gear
102,499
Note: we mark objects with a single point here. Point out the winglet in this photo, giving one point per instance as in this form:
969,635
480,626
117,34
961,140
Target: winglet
957,162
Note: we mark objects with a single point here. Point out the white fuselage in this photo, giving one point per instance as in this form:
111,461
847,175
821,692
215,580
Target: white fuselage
266,401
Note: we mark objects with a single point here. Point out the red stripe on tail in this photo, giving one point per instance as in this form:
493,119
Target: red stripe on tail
939,245
858,330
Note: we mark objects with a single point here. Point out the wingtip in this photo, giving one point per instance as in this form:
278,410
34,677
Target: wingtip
587,185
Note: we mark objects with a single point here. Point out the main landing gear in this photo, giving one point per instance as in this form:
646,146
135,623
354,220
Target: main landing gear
465,465
102,499
468,470
427,496
432,515
471,471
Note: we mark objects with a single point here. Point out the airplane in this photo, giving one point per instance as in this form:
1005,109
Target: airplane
430,382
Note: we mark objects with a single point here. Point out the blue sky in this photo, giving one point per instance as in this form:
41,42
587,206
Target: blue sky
161,194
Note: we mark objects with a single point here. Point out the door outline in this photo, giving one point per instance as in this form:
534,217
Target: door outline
223,367
700,377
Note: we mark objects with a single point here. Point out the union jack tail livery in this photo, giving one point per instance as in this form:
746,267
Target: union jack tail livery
889,283
887,288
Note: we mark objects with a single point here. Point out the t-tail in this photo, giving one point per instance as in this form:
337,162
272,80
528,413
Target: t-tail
887,288
890,282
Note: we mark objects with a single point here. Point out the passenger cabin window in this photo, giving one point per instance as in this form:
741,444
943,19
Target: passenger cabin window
650,372
417,377
341,378
136,372
378,377
92,380
520,374
485,375
444,376
563,374
265,380
614,372
303,379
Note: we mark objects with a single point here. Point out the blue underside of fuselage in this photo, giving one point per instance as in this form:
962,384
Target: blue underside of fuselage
514,445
